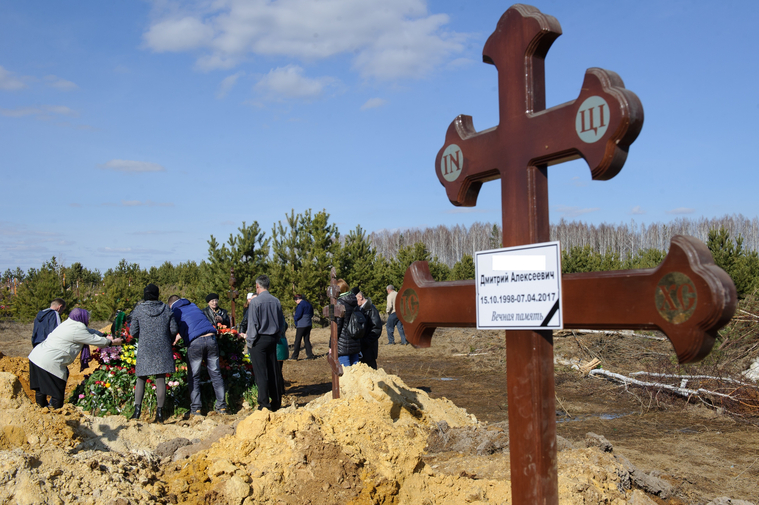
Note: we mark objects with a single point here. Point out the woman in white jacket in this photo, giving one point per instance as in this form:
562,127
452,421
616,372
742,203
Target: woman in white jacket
49,361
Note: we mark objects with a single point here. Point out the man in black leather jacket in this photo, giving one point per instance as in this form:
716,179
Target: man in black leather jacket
370,342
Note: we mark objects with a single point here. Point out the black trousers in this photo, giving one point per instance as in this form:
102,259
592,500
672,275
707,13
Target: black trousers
263,357
369,352
304,333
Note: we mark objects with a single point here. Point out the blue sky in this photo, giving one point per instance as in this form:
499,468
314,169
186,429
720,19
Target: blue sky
137,129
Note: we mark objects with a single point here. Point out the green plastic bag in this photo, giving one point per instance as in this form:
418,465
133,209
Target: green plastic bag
282,351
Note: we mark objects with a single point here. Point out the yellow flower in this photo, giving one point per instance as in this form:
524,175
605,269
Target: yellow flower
107,384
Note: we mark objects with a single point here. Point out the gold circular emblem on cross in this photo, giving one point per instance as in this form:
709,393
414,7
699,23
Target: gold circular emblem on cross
676,297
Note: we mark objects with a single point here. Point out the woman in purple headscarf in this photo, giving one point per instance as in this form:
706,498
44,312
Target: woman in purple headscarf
49,361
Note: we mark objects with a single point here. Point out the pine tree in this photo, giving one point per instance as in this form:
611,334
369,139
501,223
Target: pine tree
729,255
463,269
304,249
409,254
356,263
39,289
247,252
123,288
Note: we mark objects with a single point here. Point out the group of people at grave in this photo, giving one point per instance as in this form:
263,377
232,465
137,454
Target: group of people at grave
159,326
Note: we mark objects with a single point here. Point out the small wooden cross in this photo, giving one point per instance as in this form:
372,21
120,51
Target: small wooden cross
233,295
687,296
333,311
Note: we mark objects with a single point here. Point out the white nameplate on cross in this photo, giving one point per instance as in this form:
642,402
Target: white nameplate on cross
519,288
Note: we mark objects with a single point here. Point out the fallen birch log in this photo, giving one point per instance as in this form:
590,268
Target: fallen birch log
675,389
691,377
624,332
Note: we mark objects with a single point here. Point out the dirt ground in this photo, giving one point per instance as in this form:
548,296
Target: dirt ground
699,452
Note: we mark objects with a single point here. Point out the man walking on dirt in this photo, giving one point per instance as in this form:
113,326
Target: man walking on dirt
47,320
392,318
265,320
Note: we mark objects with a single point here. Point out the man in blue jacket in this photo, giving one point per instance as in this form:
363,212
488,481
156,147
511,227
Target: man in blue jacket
304,314
47,320
199,337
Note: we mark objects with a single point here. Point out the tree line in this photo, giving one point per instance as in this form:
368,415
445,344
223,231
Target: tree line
450,243
302,248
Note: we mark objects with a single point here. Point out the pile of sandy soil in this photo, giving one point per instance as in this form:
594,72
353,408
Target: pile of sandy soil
382,442
19,366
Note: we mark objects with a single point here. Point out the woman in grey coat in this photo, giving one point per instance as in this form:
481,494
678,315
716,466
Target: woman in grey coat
154,324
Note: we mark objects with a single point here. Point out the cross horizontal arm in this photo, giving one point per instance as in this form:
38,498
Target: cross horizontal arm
598,126
687,297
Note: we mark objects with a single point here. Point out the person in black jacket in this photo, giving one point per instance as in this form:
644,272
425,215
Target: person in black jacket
348,349
370,342
303,317
214,313
47,320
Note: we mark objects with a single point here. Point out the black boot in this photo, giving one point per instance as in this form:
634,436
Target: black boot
137,412
158,415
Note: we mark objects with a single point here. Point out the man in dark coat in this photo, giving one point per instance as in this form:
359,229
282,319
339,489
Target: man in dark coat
47,320
370,342
265,322
200,339
214,313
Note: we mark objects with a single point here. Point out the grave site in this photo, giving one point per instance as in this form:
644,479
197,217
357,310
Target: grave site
601,409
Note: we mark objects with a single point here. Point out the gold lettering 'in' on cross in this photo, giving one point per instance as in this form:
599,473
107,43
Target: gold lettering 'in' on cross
598,126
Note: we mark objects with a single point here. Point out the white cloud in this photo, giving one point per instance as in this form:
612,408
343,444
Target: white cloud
373,103
58,83
289,82
62,110
20,112
137,203
681,210
637,211
153,232
42,112
9,81
578,182
572,212
132,166
388,40
227,84
146,203
177,35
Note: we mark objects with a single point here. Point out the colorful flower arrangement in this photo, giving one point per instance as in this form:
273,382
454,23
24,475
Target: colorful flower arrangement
110,388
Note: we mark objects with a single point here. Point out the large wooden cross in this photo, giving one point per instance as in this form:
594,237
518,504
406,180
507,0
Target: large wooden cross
687,296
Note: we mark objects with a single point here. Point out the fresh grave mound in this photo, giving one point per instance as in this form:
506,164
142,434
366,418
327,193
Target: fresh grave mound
381,442
371,446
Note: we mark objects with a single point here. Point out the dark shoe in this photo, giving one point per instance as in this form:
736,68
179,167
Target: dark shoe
196,413
137,412
310,357
158,415
222,411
